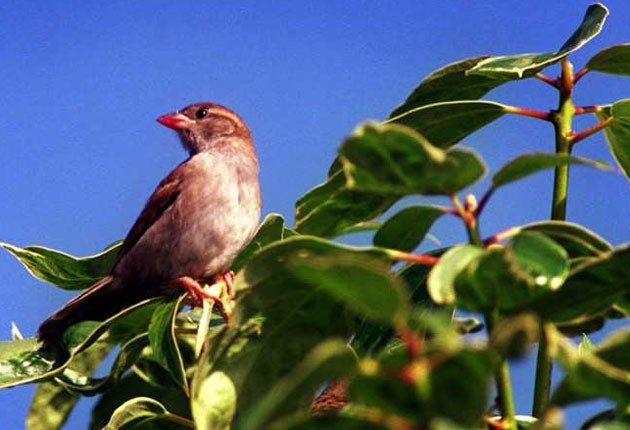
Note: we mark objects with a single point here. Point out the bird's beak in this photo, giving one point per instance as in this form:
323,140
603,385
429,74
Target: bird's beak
175,120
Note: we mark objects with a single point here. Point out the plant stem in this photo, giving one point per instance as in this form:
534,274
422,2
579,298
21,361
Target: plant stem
501,368
504,383
562,120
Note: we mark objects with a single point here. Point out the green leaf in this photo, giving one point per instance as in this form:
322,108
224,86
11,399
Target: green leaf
578,241
527,164
441,280
271,230
275,304
214,404
509,278
53,401
22,362
592,288
526,65
393,160
130,387
329,360
406,229
618,132
141,410
603,371
331,208
614,59
78,380
438,391
361,283
446,123
64,270
164,342
450,83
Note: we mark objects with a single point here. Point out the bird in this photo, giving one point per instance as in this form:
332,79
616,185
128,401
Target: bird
200,216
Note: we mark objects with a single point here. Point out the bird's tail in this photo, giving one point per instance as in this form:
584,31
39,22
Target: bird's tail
99,302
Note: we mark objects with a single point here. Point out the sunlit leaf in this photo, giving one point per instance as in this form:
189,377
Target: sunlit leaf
450,83
393,160
614,59
526,65
446,123
618,132
441,280
21,361
214,404
406,229
64,270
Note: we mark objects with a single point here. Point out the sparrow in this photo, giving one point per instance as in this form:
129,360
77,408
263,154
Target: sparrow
192,227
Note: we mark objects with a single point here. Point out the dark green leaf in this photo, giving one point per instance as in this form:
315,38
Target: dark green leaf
446,123
141,410
271,230
331,208
526,65
64,270
438,391
406,229
618,132
509,278
578,241
392,160
328,361
130,387
591,288
214,404
604,371
364,285
450,83
79,380
164,343
527,164
614,59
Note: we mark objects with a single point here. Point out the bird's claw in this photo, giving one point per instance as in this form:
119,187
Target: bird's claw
218,292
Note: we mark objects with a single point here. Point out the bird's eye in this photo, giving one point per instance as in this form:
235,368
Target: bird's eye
201,113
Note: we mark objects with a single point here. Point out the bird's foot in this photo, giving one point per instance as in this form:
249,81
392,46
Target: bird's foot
217,289
196,293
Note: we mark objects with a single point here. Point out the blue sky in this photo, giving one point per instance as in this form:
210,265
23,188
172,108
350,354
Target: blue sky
81,84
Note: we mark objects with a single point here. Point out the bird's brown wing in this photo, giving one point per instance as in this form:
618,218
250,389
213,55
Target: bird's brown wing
162,198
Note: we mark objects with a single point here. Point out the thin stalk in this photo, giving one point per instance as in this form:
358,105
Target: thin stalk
501,368
562,121
503,381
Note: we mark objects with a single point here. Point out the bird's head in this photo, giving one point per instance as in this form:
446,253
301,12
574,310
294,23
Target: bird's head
206,126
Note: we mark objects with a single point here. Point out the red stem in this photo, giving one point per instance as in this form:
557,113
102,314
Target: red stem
587,109
532,113
546,79
580,74
576,137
